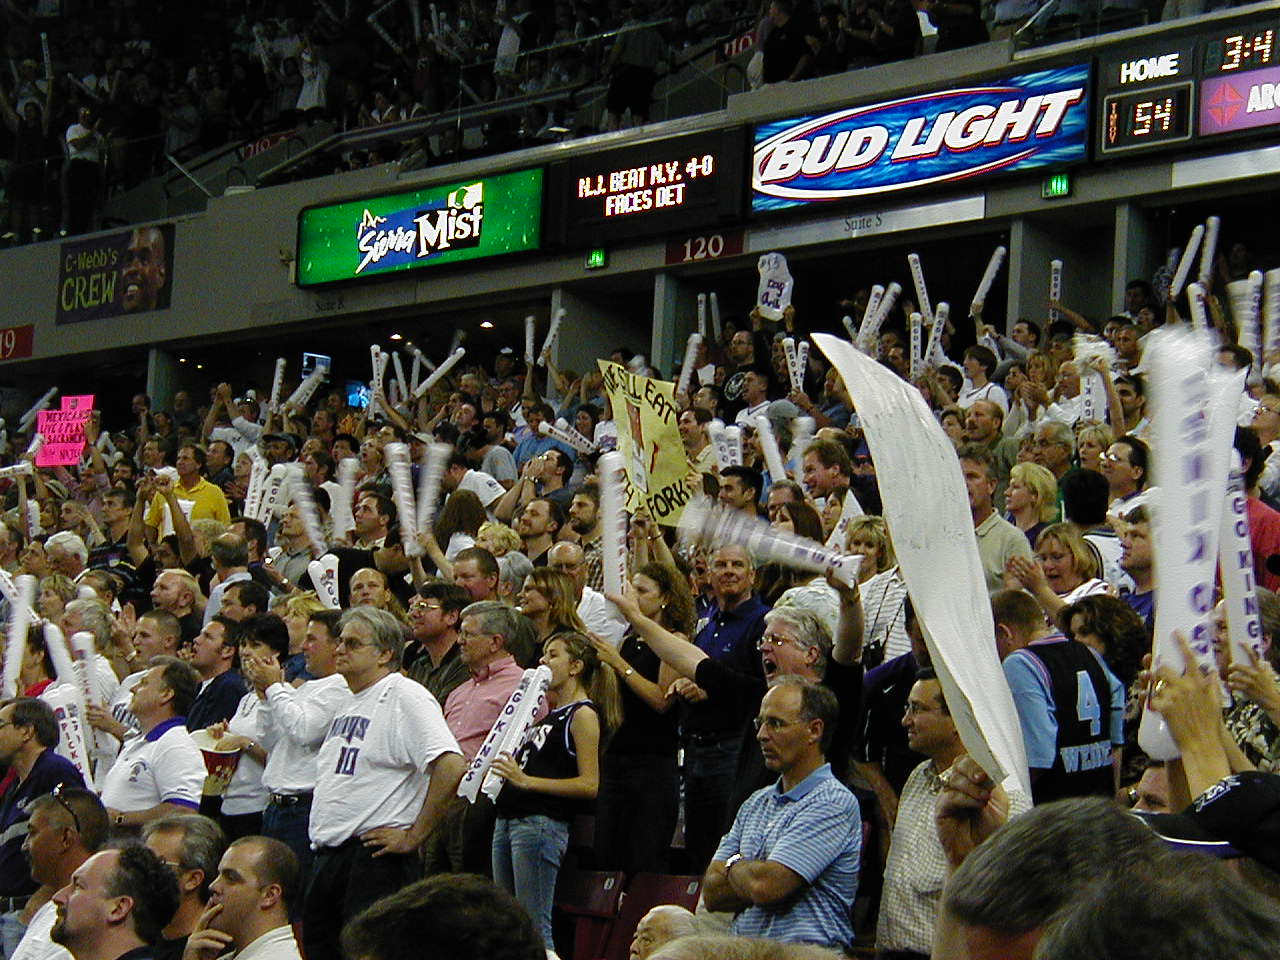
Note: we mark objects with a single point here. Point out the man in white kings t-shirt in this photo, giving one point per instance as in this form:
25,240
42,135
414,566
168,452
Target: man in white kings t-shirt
385,774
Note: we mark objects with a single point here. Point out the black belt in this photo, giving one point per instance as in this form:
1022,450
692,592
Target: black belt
289,799
10,904
706,739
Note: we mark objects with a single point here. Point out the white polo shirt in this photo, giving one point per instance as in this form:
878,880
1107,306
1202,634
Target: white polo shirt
163,765
372,767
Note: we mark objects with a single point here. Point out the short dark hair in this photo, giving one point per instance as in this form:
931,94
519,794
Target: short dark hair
1031,325
751,479
329,618
275,863
817,702
203,844
1085,495
144,878
554,509
197,451
1139,455
268,630
482,558
83,811
122,495
500,417
181,678
255,532
984,356
452,597
30,712
564,463
1038,863
977,453
463,916
928,673
831,453
545,410
251,594
1250,448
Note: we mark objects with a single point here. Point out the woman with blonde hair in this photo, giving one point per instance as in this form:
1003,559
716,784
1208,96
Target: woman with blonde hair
498,538
547,598
296,613
882,589
1031,499
1092,441
1065,569
54,593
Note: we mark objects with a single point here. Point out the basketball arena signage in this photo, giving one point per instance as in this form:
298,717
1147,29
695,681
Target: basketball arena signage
1032,120
433,225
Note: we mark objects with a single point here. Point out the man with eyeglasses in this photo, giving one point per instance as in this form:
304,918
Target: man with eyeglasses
28,735
190,845
385,773
66,828
1125,467
432,656
463,841
788,867
917,867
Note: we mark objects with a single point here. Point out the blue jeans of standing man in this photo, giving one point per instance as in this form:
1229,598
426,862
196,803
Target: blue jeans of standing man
527,852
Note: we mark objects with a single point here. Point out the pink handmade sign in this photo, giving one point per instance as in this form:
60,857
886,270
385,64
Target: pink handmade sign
63,432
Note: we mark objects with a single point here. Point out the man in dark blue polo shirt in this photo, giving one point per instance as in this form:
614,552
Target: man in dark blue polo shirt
711,727
28,734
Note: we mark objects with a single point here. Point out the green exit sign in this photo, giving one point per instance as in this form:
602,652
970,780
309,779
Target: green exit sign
1056,186
597,258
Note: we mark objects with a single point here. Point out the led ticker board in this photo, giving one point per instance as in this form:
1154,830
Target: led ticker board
650,189
1240,50
998,126
430,226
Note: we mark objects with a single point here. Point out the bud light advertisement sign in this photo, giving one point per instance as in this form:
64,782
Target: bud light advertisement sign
1033,120
426,227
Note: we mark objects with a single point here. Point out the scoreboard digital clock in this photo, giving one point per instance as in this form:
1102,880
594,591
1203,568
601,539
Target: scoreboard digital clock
1190,86
650,189
1239,50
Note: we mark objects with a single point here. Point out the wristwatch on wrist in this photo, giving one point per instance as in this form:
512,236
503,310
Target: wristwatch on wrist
728,864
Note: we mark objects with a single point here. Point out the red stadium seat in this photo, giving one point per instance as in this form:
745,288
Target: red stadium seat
646,891
591,899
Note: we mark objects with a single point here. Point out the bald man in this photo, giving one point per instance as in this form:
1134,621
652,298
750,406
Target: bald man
600,616
659,927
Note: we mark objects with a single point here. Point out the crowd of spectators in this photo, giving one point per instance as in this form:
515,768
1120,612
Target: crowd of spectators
125,87
821,760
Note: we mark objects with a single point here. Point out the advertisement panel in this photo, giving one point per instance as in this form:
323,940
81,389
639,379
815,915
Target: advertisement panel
113,274
430,226
1023,122
1240,101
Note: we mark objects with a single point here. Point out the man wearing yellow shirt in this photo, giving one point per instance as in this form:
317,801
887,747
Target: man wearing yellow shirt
195,496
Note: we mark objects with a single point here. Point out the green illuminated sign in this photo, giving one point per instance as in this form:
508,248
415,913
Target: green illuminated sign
446,223
1056,186
597,258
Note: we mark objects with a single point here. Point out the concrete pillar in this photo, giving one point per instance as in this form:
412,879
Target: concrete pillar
163,378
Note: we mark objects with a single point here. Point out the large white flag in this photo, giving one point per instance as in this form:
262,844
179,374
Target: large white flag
927,509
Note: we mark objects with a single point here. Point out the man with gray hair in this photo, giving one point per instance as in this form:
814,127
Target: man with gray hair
67,554
658,927
230,555
788,867
94,618
462,843
190,845
386,771
513,567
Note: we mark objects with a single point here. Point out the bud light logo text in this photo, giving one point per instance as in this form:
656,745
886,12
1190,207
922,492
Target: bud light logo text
1033,120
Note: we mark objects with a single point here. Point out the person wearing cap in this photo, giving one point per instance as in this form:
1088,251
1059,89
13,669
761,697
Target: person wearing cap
280,447
196,496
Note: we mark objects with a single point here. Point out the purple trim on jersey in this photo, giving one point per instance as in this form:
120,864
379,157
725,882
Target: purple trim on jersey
160,729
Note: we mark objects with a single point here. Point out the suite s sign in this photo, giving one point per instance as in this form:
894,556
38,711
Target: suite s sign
1032,120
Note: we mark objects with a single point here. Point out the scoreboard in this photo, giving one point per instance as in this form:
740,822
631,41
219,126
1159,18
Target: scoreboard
1188,88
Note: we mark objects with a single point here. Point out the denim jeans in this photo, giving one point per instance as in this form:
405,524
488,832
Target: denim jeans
11,931
290,826
526,859
709,770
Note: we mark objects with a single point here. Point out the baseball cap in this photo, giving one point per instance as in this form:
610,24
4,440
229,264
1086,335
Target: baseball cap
1239,816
